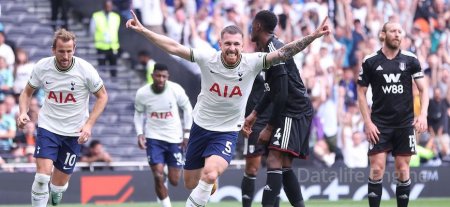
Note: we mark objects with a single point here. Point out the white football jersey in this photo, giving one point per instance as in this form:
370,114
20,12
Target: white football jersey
224,89
66,105
162,118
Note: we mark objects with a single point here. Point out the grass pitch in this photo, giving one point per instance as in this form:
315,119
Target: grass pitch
428,202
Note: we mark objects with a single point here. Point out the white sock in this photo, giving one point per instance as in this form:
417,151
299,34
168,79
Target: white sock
200,195
39,190
166,202
59,189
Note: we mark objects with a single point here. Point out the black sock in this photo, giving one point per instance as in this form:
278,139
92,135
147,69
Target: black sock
277,201
292,188
402,192
272,187
374,193
248,190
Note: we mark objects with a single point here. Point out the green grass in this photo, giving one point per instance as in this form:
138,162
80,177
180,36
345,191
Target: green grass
429,202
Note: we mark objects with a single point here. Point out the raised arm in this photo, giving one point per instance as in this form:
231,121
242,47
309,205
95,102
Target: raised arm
294,47
165,43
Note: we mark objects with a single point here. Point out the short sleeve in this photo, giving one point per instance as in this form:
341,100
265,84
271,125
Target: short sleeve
258,60
199,55
94,82
364,77
35,81
416,70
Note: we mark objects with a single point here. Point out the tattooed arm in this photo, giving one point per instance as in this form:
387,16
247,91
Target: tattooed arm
294,47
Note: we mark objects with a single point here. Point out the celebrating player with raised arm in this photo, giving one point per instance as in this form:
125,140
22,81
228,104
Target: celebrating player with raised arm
227,77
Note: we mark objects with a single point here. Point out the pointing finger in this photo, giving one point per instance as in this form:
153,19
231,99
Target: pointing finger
134,15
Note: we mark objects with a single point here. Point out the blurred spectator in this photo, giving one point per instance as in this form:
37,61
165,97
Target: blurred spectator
11,107
24,143
22,71
105,29
6,79
96,153
437,113
349,84
123,7
6,51
7,130
152,12
147,64
178,27
59,13
354,151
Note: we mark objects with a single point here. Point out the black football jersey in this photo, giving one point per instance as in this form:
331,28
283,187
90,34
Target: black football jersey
391,82
298,103
255,96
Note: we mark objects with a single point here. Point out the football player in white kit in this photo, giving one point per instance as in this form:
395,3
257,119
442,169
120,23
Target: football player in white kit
162,137
64,121
227,77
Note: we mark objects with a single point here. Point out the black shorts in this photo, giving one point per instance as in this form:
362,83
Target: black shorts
251,146
292,136
399,141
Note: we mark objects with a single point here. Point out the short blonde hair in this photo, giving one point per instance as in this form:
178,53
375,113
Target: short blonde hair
63,35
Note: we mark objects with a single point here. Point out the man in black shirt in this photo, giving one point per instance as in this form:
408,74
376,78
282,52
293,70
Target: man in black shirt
287,130
253,150
390,123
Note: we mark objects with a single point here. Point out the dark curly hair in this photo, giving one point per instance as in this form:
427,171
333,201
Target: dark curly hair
267,19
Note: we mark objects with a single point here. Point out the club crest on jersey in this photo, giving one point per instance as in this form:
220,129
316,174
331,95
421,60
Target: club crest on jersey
240,76
402,66
73,85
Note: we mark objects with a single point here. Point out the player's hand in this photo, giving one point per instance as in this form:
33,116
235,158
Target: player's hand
248,124
22,120
142,141
323,29
420,123
85,134
184,144
134,23
372,133
264,135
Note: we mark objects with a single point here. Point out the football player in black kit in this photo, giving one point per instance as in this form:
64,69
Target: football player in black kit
253,151
287,131
390,125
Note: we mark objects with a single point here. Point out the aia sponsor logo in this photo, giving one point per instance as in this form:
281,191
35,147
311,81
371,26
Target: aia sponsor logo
60,97
225,91
161,115
106,189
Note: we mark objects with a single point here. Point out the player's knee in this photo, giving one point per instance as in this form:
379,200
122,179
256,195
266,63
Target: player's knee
273,162
402,168
40,183
251,172
159,177
173,180
377,170
210,176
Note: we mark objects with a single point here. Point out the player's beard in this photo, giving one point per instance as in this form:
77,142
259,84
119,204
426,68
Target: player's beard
234,59
392,45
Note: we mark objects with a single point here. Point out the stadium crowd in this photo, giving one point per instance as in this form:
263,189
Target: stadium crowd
329,67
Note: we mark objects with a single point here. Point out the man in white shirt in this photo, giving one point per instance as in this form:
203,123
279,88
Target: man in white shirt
64,121
227,77
162,137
